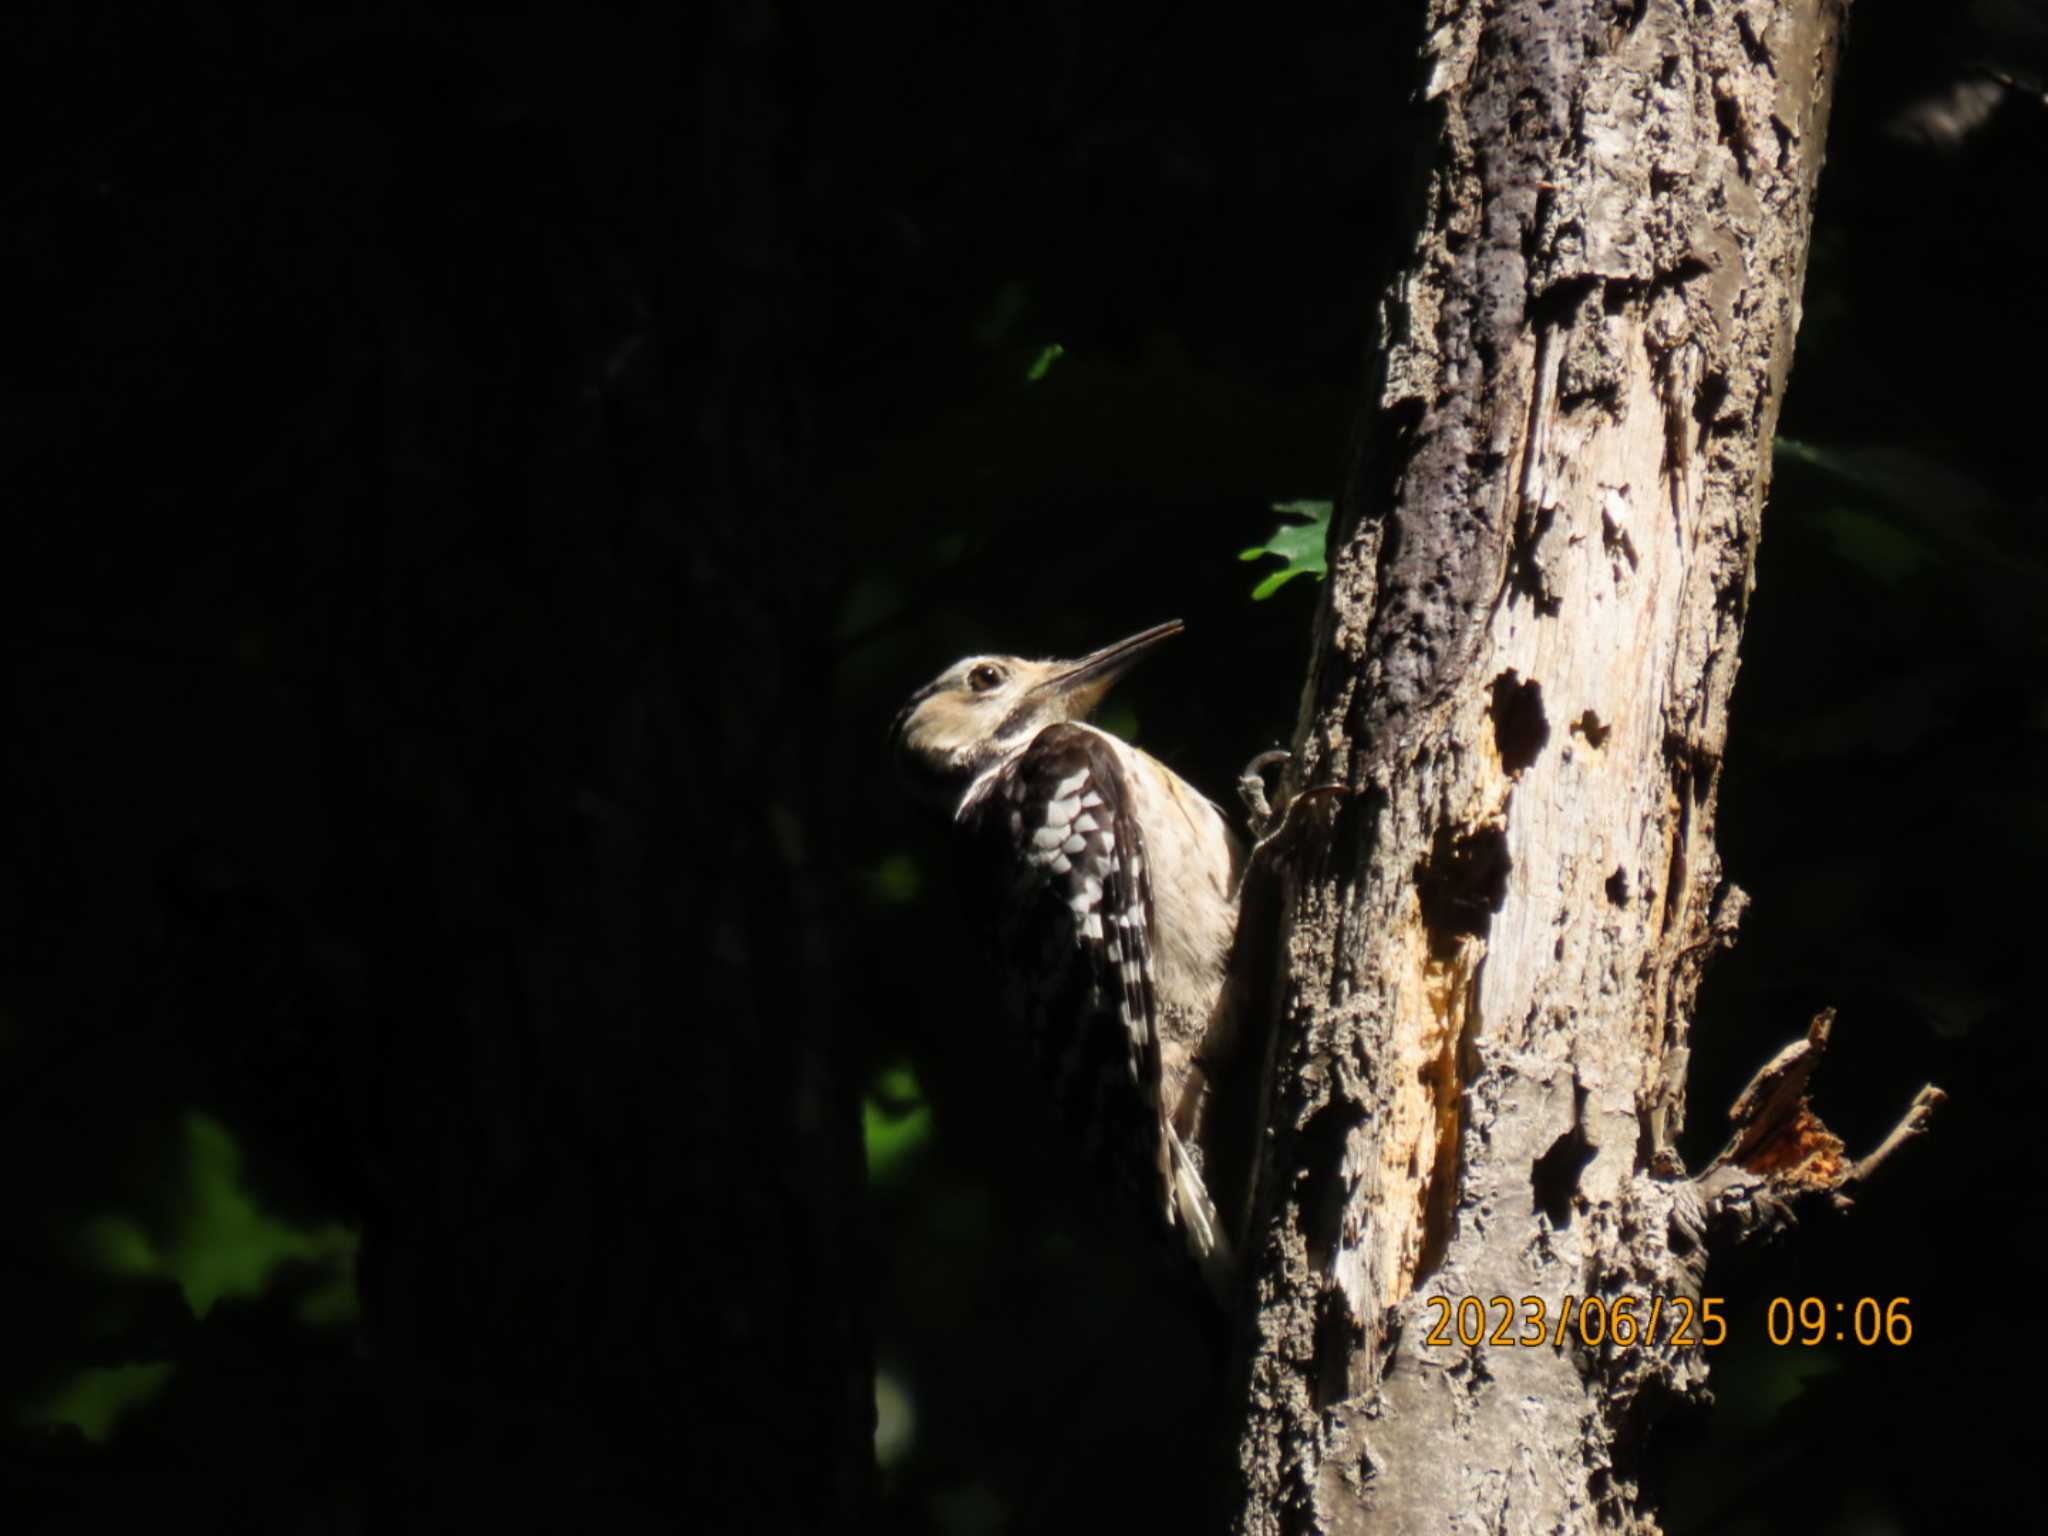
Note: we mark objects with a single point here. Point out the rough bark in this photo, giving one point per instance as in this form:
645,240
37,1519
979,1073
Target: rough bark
1493,932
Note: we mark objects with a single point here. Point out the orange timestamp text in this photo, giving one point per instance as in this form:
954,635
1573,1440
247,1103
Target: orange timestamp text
1811,1320
1678,1322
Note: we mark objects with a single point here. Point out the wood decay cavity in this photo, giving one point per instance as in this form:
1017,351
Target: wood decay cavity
1442,948
1457,890
1605,542
1420,1137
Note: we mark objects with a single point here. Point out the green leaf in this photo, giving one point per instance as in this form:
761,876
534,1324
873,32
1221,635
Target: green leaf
1298,545
895,1123
1880,549
892,881
226,1243
1913,512
223,1243
895,1418
1119,717
98,1398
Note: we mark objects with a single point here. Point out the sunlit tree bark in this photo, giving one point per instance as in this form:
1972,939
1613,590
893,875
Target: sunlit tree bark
1492,931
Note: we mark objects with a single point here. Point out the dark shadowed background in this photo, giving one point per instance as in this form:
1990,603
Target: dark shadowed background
475,492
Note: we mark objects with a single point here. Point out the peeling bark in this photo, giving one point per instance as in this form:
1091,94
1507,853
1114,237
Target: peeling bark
1491,944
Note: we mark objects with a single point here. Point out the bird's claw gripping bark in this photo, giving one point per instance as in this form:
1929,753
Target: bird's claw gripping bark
1251,788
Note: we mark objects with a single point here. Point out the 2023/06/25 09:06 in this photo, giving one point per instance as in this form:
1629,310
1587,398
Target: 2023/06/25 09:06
1631,1320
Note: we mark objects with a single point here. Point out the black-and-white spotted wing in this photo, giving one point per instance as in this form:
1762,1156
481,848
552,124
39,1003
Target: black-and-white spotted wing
1054,855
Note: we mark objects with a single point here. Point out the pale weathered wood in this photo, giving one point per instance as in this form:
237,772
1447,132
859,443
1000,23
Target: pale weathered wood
1492,937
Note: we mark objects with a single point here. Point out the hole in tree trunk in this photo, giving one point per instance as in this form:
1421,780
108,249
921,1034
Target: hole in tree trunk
1520,727
1555,1176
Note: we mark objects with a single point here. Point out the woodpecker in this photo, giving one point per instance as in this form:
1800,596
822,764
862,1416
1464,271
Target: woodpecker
1108,886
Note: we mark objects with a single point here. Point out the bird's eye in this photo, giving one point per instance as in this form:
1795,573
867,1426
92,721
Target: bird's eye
984,677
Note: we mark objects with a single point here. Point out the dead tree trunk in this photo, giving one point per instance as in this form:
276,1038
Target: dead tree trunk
1493,931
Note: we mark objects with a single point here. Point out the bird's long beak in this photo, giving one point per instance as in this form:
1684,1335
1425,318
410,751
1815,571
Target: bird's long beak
1081,686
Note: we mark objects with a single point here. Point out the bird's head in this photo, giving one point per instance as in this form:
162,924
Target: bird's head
984,710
